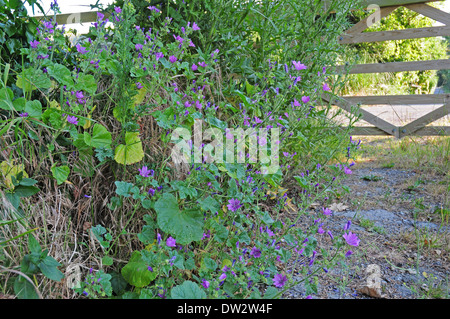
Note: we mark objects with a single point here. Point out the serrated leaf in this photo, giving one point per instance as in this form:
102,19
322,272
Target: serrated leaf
210,204
271,292
100,137
188,290
34,109
61,173
31,79
185,227
61,74
123,188
107,261
130,153
86,82
136,272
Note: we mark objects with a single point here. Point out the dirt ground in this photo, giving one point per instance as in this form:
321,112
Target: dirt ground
402,219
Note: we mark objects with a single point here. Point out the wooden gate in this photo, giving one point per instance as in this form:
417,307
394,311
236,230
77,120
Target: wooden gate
355,35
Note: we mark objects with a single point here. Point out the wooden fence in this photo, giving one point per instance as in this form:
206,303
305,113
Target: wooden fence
356,35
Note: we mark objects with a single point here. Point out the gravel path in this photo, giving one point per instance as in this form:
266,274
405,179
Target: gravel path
385,217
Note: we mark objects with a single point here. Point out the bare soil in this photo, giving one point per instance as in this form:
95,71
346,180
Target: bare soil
401,220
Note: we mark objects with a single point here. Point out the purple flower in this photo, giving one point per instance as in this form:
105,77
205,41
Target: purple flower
100,16
202,64
173,59
296,103
331,235
139,85
326,87
347,226
25,114
34,44
305,99
145,172
48,25
222,277
347,170
205,283
159,55
153,8
138,47
171,242
118,10
279,280
194,67
255,252
150,268
327,211
195,27
234,204
72,120
299,66
158,238
81,49
348,253
351,239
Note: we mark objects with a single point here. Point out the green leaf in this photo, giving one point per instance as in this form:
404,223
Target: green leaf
28,182
147,235
271,292
131,152
48,268
100,137
107,261
24,289
61,74
209,264
186,226
61,173
19,104
102,235
33,244
123,188
26,191
210,204
118,283
31,79
188,290
6,97
34,109
136,272
86,82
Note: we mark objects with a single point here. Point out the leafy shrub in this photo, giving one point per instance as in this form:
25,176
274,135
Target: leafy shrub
220,229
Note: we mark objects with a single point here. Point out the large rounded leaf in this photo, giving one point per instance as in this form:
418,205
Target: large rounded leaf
100,137
188,290
185,227
131,152
136,272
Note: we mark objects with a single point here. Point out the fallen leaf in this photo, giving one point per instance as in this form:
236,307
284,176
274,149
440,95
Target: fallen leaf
290,207
338,207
